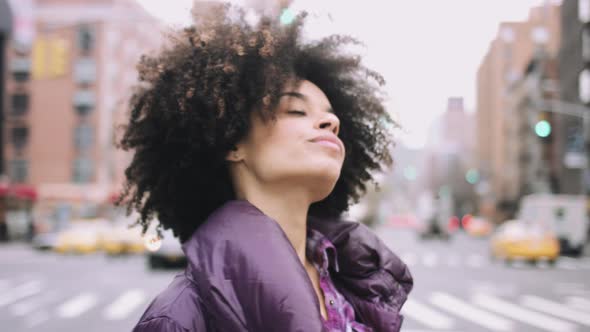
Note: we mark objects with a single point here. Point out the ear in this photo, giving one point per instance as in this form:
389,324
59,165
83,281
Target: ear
235,155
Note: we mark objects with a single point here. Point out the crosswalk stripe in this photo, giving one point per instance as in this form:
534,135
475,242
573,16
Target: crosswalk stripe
516,312
124,305
20,292
77,305
429,317
25,307
556,309
579,303
466,311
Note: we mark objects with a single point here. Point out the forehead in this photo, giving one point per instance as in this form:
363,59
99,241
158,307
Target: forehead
306,91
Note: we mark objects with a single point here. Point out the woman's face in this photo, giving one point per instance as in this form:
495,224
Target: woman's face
301,147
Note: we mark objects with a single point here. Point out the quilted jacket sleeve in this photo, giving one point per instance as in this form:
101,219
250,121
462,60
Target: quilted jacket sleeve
372,278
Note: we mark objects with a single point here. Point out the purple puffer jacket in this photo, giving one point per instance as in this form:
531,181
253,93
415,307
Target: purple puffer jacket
244,275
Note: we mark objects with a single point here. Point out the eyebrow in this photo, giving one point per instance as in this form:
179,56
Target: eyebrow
302,97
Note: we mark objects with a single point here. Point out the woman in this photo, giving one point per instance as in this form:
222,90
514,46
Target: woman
249,144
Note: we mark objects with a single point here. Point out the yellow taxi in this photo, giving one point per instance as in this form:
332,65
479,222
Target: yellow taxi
120,239
517,239
79,238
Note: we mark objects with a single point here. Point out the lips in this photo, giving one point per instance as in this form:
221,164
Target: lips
330,141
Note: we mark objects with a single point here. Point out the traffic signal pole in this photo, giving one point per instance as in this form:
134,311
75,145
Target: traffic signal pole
578,111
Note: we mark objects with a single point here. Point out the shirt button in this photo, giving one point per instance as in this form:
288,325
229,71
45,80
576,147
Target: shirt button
331,302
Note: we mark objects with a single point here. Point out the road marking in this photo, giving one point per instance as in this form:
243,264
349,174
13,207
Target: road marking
77,305
25,307
466,311
429,259
124,305
555,309
20,292
579,303
425,315
518,313
475,261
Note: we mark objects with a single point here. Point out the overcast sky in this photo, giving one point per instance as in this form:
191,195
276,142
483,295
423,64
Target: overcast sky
428,50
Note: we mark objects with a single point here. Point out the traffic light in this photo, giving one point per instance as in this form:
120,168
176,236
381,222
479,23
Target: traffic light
543,127
287,16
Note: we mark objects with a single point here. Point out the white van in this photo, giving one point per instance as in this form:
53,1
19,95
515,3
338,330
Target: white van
563,214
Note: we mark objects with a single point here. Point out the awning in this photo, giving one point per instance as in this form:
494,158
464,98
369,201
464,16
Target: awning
21,191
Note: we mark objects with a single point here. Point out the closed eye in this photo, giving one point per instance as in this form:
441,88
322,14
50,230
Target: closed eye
296,112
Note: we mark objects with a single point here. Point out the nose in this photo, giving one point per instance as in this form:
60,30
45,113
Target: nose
330,122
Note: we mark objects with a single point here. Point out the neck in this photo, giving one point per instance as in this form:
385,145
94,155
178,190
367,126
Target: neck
288,208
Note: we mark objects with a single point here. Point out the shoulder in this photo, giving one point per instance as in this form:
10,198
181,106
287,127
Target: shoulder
175,309
240,233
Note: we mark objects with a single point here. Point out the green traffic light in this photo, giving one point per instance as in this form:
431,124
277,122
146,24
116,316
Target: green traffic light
472,176
287,16
543,128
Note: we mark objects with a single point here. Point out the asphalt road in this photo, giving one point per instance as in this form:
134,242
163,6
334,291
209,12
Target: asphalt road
457,288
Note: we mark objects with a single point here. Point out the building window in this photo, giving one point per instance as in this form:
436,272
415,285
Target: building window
20,103
20,137
85,71
84,102
19,170
83,137
21,69
83,170
86,38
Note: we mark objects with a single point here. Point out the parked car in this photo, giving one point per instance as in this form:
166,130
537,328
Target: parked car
517,239
45,241
164,252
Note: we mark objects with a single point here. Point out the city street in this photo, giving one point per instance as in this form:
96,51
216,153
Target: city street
458,288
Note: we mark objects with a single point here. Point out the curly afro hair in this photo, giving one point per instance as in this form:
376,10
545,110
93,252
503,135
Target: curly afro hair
193,104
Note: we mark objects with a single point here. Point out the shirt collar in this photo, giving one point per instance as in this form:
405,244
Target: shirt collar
318,247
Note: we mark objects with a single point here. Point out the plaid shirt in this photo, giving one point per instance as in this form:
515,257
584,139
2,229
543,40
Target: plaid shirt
340,314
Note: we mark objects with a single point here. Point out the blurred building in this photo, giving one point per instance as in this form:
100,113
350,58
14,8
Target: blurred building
450,159
505,63
268,7
65,89
574,75
5,33
533,159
